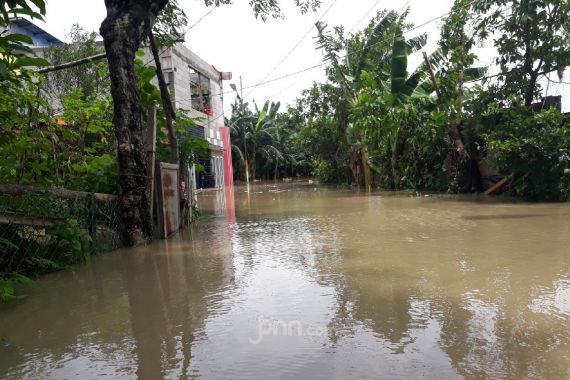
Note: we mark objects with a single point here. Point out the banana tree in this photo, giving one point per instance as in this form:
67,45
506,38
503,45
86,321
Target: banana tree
365,52
255,135
395,99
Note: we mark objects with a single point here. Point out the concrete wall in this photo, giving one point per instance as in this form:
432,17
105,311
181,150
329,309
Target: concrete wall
176,63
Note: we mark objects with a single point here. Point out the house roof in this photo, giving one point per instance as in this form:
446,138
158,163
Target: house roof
35,30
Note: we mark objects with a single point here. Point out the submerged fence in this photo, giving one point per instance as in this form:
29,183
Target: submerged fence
47,230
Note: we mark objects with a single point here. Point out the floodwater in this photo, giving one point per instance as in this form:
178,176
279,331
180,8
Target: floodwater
311,283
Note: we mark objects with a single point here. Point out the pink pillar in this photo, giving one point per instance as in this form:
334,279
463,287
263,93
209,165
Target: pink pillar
228,167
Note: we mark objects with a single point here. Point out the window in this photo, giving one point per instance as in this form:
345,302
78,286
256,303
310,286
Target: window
200,91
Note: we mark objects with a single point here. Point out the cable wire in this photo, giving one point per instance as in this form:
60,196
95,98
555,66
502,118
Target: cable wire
184,32
301,71
365,15
294,47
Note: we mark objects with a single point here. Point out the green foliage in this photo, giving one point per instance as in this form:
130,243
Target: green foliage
327,173
32,8
531,37
265,8
255,138
170,24
73,230
385,118
147,91
535,149
42,151
190,148
91,79
15,55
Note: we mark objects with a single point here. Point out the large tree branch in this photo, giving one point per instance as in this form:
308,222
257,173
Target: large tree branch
68,65
169,113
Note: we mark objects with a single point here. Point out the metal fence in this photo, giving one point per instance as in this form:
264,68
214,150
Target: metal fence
42,231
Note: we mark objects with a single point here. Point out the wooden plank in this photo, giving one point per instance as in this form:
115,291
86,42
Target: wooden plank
27,220
498,186
167,191
20,190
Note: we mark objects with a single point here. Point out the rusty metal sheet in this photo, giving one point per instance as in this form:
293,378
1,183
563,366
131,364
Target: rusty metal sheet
168,199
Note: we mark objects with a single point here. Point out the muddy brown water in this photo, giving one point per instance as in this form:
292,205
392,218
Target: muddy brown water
312,283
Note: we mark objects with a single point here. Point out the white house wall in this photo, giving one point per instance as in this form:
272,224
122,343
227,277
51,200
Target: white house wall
177,60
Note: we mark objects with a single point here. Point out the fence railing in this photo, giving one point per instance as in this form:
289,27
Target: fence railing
45,230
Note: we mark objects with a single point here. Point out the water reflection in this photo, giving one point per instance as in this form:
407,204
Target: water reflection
335,285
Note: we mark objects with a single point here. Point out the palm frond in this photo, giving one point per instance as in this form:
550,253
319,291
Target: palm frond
416,43
377,34
399,63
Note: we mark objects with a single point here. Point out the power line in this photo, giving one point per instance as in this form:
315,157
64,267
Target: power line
264,82
557,82
508,72
365,15
200,20
184,32
294,47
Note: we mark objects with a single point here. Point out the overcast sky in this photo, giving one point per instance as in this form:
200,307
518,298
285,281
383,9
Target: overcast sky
231,39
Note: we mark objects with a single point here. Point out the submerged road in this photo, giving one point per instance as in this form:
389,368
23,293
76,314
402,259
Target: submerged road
298,282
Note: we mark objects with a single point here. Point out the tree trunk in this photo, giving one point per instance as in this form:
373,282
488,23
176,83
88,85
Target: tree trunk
366,170
394,163
530,90
127,24
252,169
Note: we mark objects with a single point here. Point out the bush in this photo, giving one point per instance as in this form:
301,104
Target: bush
535,149
327,173
72,230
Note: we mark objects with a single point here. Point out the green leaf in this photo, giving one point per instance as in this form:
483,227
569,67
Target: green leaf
27,12
474,73
377,34
41,5
416,43
28,61
399,64
262,115
19,38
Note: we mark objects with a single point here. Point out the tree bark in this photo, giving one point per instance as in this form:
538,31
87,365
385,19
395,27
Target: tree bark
530,89
394,164
127,24
366,169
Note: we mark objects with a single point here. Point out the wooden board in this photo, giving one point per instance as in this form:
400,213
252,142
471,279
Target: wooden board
167,191
498,186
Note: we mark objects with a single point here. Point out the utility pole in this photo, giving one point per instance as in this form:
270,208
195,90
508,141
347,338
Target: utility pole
244,133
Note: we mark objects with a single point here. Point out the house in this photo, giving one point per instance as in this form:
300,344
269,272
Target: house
39,36
196,87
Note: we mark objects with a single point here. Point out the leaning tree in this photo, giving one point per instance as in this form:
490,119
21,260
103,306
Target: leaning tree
127,25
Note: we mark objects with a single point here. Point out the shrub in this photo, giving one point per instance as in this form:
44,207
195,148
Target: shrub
535,149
